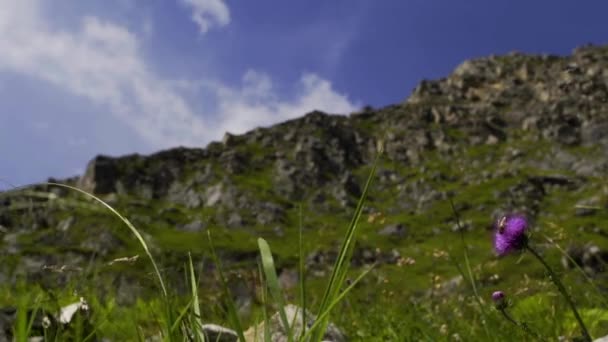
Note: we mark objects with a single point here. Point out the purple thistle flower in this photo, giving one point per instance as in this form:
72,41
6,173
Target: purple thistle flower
510,234
498,296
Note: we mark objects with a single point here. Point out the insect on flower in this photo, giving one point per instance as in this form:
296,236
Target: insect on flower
502,223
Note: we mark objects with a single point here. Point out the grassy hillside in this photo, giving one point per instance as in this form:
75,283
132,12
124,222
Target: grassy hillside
504,134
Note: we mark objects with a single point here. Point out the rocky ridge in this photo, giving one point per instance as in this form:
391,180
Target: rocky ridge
561,100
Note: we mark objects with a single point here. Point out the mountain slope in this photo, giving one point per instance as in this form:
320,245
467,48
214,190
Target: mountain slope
503,133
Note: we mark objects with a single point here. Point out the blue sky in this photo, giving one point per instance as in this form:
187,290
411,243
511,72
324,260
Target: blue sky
81,78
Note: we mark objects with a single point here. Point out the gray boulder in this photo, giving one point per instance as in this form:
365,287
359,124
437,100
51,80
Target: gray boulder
394,230
589,257
214,332
294,314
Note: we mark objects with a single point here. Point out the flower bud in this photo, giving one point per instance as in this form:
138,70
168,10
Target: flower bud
499,300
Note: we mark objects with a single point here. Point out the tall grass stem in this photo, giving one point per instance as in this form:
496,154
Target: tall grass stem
469,270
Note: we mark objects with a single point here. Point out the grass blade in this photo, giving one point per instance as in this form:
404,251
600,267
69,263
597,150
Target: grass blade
128,223
273,284
21,324
232,312
264,292
342,262
322,317
180,317
302,282
197,321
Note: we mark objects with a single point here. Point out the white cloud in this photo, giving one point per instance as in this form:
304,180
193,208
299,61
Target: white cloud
206,13
256,102
101,61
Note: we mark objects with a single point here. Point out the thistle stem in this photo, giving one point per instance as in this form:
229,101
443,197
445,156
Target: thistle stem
560,286
522,325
